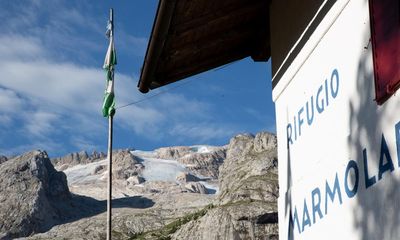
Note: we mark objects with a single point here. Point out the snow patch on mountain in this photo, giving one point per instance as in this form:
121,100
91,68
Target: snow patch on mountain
161,169
157,169
201,149
83,173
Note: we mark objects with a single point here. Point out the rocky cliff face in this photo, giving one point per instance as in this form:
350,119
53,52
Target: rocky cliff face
246,207
202,160
73,159
125,165
32,195
250,171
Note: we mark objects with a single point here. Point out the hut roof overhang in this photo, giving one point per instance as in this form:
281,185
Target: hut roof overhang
193,36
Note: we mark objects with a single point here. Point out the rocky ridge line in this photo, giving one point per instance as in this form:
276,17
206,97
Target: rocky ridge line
76,158
246,207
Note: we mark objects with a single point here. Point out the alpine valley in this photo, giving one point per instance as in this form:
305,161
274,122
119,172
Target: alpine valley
183,192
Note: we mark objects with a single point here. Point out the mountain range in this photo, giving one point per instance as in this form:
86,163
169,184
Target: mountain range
183,192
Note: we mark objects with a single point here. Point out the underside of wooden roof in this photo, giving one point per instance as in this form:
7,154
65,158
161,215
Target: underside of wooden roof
193,36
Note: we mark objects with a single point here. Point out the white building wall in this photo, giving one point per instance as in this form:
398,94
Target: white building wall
347,133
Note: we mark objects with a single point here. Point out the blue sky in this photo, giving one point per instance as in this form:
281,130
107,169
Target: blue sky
52,84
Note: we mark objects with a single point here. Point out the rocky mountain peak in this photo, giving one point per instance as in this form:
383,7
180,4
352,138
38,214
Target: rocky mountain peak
248,190
202,160
31,190
249,159
243,144
125,164
76,158
265,141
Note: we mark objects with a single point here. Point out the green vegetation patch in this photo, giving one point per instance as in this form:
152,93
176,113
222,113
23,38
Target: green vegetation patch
169,229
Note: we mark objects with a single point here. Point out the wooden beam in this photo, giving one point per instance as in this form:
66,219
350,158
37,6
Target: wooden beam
156,44
232,11
194,53
245,18
195,13
189,70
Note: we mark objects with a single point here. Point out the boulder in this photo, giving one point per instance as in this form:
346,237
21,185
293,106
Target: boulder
32,195
134,180
196,187
99,169
184,177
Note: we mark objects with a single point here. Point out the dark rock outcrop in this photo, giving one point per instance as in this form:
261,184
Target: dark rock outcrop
246,207
3,159
196,187
32,195
134,180
185,177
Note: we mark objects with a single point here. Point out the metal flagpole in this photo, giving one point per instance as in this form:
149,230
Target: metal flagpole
109,150
109,185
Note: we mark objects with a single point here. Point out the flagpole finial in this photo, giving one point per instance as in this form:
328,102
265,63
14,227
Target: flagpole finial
111,15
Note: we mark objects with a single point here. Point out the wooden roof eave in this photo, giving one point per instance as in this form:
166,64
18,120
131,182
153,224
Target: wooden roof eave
161,25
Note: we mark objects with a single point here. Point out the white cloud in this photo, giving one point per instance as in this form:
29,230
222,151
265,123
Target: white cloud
18,47
145,122
262,117
64,96
10,101
40,124
82,143
132,44
180,106
203,132
48,89
58,25
49,146
64,84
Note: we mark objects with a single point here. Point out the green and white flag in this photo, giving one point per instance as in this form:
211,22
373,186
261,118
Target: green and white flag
109,62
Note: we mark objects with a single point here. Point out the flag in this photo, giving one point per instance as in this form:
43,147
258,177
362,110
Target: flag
109,62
